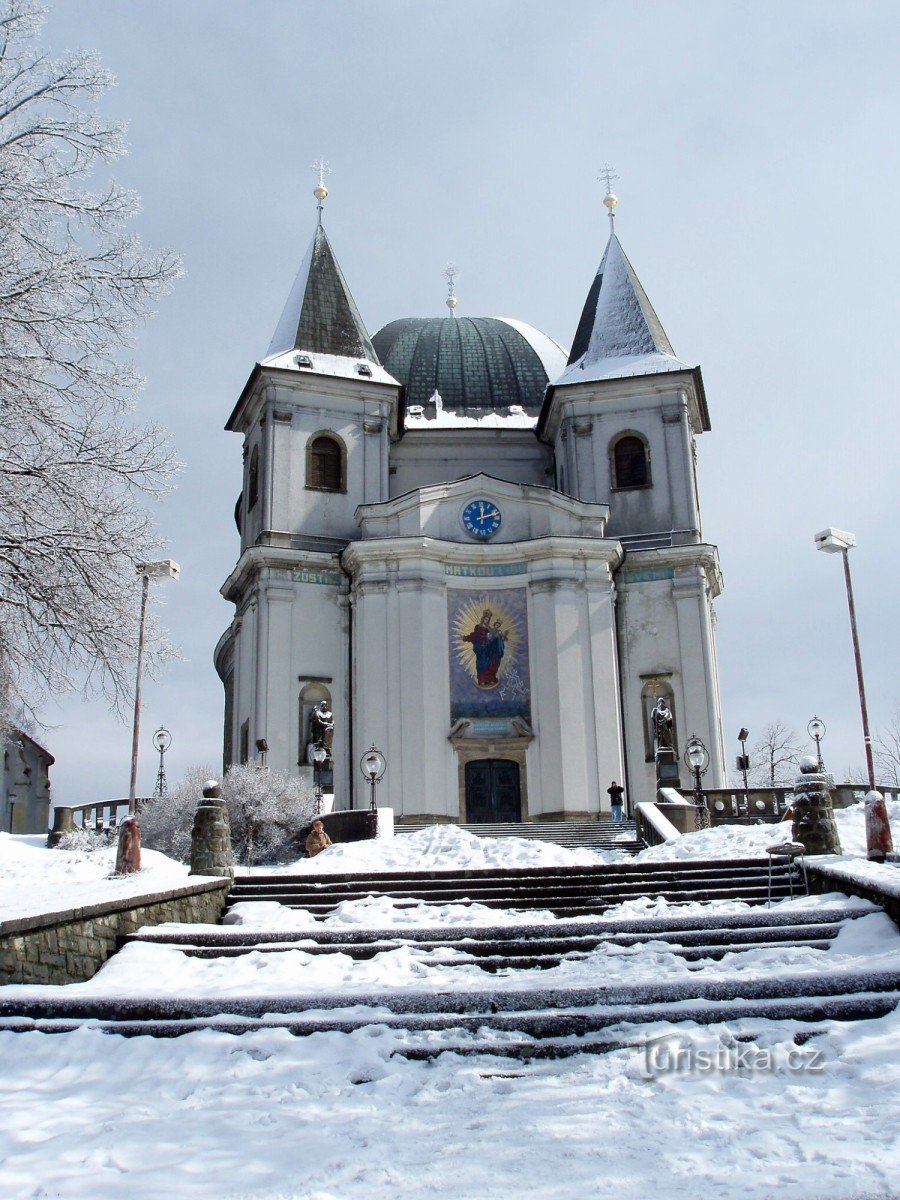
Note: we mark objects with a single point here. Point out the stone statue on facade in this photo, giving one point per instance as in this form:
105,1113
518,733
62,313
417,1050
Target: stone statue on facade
321,729
663,731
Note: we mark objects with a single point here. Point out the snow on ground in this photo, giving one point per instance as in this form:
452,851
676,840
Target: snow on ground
266,1116
35,880
870,942
441,848
750,841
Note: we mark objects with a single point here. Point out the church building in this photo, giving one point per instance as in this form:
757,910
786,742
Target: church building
482,552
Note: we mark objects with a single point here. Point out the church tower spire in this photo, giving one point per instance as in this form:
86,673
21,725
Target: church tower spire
320,316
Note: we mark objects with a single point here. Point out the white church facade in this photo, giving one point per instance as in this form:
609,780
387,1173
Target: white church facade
484,553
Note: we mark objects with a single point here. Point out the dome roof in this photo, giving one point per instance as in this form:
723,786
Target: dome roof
478,365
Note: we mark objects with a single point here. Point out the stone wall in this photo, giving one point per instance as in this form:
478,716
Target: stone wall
69,947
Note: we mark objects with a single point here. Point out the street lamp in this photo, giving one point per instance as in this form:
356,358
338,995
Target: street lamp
319,755
878,831
743,763
162,740
128,855
696,756
373,765
816,730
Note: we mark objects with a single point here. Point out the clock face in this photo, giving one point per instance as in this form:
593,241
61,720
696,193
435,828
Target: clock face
481,518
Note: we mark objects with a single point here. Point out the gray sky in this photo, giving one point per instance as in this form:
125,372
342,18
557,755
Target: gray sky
758,196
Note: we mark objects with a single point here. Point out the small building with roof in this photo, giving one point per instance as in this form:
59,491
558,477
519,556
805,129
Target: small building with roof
25,800
483,552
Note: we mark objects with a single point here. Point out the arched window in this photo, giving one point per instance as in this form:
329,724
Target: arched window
630,462
253,479
325,463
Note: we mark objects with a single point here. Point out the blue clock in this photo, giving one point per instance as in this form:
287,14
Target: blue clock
481,518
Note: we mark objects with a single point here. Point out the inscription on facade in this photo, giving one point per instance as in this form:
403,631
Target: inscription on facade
487,571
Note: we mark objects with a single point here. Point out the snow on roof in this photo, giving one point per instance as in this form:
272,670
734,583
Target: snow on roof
551,354
619,333
515,417
335,365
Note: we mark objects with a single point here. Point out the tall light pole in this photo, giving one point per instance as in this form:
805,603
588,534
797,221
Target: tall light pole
128,855
373,766
878,830
816,730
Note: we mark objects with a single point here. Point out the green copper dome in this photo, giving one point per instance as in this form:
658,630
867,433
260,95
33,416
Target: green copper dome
478,365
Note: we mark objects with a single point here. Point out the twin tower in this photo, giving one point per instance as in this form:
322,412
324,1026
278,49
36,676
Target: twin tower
485,555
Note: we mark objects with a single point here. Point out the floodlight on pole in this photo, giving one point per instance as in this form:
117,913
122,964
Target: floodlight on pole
128,856
878,831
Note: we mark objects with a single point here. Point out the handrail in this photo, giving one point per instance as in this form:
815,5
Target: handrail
652,827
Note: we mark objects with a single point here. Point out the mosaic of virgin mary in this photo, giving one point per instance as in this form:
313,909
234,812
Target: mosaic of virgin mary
488,653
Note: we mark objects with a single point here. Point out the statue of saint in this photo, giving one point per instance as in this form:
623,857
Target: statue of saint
663,734
321,729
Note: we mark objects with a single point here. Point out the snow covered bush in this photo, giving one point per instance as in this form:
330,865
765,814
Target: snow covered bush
268,812
85,840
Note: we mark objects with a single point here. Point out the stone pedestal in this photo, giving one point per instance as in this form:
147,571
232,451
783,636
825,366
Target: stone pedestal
667,768
813,819
211,835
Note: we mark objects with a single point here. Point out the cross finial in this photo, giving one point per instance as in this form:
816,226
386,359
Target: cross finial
321,192
450,273
607,175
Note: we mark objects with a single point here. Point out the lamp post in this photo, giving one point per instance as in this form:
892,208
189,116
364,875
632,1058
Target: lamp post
319,756
162,740
878,830
373,766
816,730
743,761
128,854
696,756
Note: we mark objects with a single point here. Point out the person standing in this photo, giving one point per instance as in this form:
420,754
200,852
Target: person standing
615,793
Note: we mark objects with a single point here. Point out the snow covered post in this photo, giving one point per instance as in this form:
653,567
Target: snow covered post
814,823
878,829
211,835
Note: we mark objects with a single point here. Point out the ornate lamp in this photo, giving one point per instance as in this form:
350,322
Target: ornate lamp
816,730
696,756
319,755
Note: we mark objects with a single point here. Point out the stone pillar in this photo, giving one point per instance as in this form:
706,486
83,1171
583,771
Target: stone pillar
211,835
813,820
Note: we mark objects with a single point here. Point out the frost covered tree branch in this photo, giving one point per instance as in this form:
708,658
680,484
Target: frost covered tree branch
76,469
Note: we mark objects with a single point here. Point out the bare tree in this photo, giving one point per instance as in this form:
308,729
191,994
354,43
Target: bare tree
887,750
773,754
267,811
76,469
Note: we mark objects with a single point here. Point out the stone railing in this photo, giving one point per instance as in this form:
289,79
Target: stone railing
101,815
72,945
653,825
735,806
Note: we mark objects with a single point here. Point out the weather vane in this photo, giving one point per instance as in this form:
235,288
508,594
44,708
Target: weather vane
450,273
321,192
607,175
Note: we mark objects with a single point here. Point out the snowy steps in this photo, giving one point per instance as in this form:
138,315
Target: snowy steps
515,1017
564,891
593,835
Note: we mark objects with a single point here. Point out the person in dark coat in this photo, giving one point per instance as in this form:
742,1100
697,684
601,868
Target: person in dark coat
615,793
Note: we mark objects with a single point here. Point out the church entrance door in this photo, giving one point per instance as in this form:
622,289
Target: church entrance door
492,791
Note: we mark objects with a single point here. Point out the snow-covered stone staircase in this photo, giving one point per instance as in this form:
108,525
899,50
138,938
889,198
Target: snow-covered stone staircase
592,835
564,891
505,977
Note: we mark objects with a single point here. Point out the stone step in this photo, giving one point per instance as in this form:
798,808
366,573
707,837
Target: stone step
686,927
551,1034
542,1012
678,869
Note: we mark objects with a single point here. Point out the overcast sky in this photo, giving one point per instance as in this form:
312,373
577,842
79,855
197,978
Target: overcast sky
756,150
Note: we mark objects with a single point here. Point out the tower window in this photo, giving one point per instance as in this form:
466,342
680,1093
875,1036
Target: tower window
325,464
253,479
630,462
